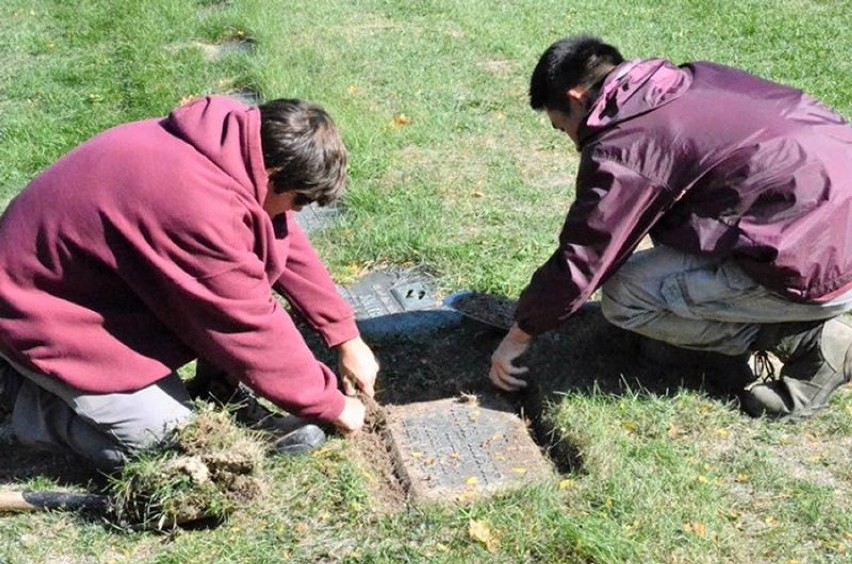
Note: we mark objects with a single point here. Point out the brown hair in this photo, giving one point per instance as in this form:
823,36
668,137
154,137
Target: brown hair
302,150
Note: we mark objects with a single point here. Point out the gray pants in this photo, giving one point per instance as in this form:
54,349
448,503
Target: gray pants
698,303
103,428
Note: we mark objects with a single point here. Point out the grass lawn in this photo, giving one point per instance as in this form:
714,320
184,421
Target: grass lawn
452,172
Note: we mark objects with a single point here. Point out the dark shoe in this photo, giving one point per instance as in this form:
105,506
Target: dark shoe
817,360
301,441
294,435
214,385
250,412
297,435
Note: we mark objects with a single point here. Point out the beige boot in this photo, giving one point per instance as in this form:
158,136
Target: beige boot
817,360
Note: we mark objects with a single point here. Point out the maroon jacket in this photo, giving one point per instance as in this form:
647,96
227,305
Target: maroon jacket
148,246
708,160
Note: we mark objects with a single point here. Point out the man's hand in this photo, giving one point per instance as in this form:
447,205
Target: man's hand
503,372
351,419
357,367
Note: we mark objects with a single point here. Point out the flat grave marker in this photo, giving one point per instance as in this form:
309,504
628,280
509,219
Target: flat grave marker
459,449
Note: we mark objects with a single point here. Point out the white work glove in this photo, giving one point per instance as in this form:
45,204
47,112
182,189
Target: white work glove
351,419
357,367
503,371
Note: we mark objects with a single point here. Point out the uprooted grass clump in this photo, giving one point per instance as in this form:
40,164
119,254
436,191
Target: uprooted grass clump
206,469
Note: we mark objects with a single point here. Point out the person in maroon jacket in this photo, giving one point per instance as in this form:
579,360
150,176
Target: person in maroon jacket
744,187
159,242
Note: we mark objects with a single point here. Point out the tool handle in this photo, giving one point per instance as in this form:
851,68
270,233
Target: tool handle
39,501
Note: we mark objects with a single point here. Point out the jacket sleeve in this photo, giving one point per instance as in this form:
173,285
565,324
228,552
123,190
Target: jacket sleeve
614,209
311,292
216,298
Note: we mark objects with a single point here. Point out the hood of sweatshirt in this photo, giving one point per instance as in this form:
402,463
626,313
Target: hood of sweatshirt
227,132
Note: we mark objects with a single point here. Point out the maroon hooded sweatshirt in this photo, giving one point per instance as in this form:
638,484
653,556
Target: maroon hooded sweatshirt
147,247
712,161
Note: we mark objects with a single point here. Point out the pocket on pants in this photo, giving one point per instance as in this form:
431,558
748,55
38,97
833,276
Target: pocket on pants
718,288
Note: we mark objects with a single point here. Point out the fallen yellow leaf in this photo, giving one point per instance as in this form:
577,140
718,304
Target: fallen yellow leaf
566,483
471,481
697,528
481,531
400,120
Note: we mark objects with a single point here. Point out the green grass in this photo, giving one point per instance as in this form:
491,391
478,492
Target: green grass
473,188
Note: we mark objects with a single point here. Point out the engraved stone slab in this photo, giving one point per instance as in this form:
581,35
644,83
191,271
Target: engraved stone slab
389,292
397,302
460,449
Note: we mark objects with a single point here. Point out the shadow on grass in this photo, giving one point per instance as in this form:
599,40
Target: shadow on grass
20,464
434,355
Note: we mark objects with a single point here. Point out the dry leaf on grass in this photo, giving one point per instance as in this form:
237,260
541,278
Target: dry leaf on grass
697,528
480,531
400,120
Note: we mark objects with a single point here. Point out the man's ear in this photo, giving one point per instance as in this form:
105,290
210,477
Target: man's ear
577,94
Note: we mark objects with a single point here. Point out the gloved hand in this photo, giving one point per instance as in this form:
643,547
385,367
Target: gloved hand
351,419
503,371
357,367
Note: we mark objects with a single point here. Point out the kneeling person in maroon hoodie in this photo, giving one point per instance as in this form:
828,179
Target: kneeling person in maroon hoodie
162,241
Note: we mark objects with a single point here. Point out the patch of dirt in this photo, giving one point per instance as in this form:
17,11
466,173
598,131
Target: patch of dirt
215,51
374,458
587,353
812,460
499,67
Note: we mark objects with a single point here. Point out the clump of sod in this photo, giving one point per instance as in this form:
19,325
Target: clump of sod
202,472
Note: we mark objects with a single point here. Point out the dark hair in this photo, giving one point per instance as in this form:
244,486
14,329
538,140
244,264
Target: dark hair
580,60
302,150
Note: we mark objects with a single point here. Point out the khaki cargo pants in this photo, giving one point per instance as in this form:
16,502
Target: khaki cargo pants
699,303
